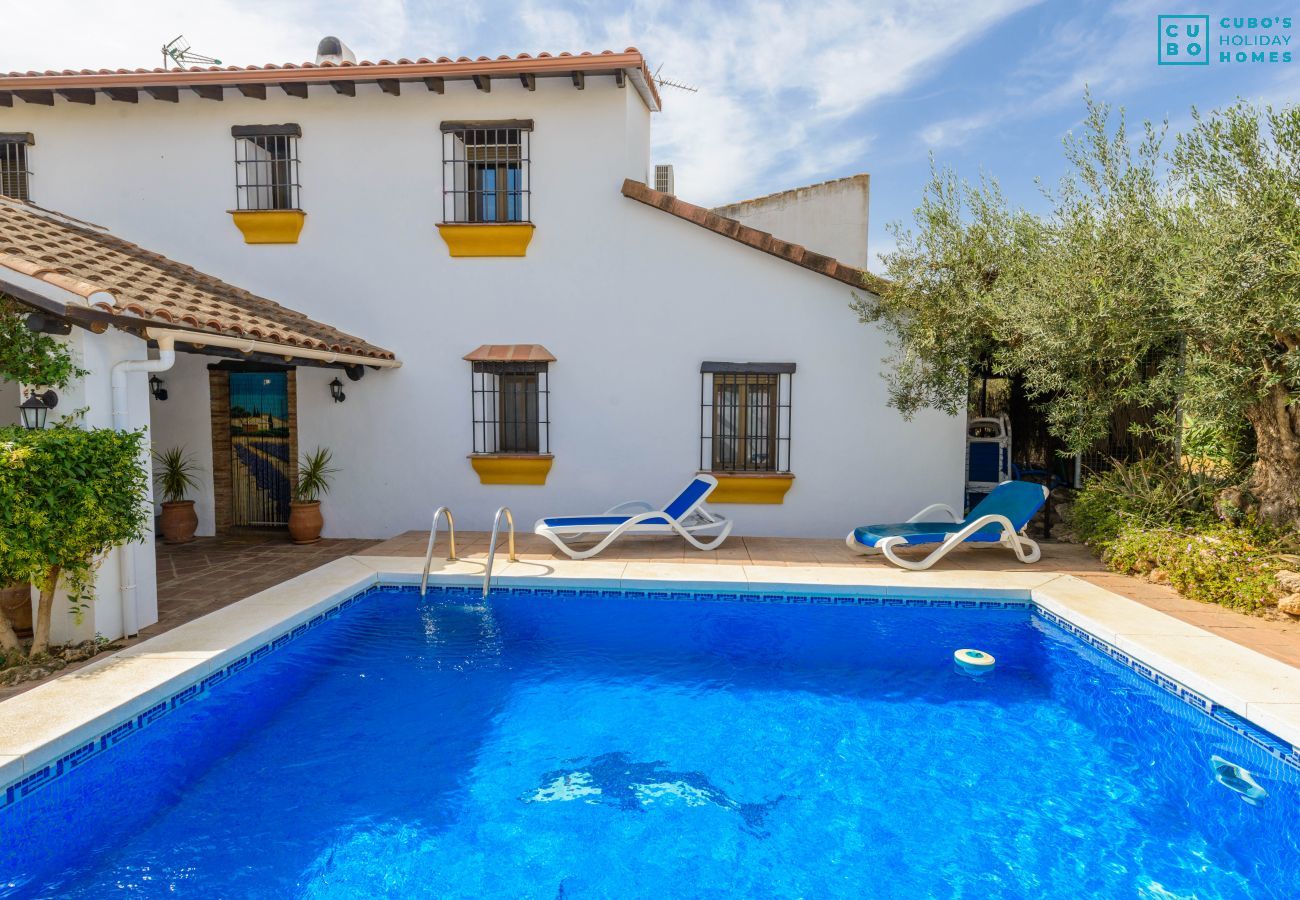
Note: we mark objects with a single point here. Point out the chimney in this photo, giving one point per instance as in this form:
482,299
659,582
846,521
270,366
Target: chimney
664,180
332,50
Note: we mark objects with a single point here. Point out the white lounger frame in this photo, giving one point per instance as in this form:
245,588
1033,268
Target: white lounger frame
696,520
1026,550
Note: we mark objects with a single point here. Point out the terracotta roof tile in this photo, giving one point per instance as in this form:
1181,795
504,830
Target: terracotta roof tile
510,353
463,67
91,263
759,240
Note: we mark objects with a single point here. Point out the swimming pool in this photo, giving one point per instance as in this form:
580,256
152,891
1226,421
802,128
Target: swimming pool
603,743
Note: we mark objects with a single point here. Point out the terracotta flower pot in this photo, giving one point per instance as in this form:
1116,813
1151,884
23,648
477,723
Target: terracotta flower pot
305,521
178,522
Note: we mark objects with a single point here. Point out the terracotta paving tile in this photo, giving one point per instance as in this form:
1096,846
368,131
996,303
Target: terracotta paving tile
197,578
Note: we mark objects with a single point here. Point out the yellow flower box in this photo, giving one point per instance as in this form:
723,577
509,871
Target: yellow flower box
751,487
269,226
487,238
511,468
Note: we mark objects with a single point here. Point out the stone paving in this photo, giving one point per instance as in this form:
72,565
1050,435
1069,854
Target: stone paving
196,578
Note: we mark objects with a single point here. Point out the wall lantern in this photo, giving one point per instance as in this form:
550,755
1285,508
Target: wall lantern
156,388
336,391
36,408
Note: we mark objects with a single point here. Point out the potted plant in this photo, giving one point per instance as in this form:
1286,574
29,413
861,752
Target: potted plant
175,476
314,476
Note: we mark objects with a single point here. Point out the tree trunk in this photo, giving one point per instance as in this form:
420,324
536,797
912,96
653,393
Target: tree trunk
44,611
1276,476
8,640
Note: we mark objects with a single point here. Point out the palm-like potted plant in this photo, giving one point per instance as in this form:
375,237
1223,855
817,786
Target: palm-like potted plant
176,478
314,477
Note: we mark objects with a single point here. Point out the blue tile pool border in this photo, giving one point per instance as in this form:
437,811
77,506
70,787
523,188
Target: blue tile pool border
1265,740
30,782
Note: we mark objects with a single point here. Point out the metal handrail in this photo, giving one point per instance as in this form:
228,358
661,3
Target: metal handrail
433,536
492,545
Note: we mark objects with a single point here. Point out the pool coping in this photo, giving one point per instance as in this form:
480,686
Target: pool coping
52,728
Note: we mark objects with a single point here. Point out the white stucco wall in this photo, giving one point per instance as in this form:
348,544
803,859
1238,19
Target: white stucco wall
98,354
829,218
629,299
184,420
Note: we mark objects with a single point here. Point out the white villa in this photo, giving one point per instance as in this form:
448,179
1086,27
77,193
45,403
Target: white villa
540,328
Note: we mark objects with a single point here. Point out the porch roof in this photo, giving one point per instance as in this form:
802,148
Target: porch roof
123,279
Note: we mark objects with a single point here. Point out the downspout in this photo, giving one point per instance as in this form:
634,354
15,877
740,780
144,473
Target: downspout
121,422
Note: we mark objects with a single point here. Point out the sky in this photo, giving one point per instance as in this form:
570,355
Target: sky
788,93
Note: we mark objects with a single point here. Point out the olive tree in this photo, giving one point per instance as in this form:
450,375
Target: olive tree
1166,279
1236,285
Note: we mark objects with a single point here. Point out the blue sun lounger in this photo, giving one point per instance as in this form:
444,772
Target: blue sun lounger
685,516
1000,518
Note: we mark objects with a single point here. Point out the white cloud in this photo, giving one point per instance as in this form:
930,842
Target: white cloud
1111,53
955,131
777,81
89,34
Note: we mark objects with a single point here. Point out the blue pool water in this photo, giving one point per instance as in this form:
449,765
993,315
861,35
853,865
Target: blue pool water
547,746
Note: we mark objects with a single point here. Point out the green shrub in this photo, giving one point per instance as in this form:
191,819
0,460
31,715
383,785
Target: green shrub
67,497
1226,564
1167,523
1146,494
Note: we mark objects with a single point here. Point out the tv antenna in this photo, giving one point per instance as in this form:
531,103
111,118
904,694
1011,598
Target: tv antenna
668,82
178,50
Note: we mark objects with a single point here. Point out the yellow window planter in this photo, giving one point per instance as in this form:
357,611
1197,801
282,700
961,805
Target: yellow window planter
269,226
511,468
487,238
751,487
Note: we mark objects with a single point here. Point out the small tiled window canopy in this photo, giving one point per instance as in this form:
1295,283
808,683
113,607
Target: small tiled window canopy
511,398
266,166
485,171
745,416
15,177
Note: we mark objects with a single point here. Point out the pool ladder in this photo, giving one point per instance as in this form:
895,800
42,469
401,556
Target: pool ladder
438,514
492,545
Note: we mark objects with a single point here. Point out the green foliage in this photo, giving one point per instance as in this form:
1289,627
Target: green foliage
314,475
1225,564
175,475
1158,278
30,358
1164,522
67,497
1236,291
1070,301
1146,494
945,305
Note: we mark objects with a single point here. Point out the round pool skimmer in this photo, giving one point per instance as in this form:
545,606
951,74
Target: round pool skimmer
973,662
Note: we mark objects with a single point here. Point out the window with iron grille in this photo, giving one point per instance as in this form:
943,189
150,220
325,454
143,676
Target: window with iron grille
15,177
745,416
511,402
266,166
485,171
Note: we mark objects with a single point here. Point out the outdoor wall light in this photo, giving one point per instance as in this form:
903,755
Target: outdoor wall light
156,388
36,408
336,391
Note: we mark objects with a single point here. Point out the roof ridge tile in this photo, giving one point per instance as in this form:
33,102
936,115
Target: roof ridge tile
753,237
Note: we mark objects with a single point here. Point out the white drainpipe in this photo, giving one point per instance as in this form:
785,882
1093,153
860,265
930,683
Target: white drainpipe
122,422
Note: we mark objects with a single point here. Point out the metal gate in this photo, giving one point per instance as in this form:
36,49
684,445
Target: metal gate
259,448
